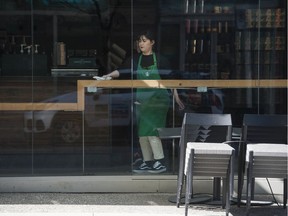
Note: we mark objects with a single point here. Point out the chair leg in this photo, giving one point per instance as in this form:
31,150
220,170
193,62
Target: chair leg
253,189
227,196
216,188
239,188
224,192
285,193
179,188
189,182
227,185
232,174
187,194
241,168
230,184
249,183
180,181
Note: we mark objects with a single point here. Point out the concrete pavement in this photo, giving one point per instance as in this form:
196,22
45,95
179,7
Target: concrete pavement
120,204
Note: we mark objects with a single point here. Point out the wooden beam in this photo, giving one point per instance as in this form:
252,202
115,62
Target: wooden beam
83,84
38,106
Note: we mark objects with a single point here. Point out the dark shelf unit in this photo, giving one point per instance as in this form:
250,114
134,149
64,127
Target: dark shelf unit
260,43
210,45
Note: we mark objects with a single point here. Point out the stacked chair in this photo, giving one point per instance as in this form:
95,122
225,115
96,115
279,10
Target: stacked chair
262,153
213,158
209,159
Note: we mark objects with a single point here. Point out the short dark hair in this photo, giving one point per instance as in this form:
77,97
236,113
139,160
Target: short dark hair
147,33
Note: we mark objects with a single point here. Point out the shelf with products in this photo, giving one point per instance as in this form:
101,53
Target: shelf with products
252,18
206,36
217,42
209,38
260,42
210,49
272,39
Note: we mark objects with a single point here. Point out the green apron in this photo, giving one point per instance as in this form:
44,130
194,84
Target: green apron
154,102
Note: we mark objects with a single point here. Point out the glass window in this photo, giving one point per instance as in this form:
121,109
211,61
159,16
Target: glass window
221,56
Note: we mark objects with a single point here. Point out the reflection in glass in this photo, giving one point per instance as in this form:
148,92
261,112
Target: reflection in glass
47,47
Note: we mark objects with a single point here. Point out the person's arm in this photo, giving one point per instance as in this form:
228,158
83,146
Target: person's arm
164,64
113,74
116,73
178,100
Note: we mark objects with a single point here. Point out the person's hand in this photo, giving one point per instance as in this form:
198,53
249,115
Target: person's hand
180,103
114,74
107,77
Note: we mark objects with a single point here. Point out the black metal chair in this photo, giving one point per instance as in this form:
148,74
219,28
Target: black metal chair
259,129
266,161
172,134
211,160
198,127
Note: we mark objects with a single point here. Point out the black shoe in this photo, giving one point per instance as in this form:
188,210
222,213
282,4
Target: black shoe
142,168
157,168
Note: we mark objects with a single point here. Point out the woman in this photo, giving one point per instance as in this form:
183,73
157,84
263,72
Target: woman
152,104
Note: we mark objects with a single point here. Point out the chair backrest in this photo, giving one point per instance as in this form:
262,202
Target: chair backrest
198,127
264,128
202,127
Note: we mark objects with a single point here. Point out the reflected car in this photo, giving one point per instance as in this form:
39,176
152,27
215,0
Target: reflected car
105,108
67,126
